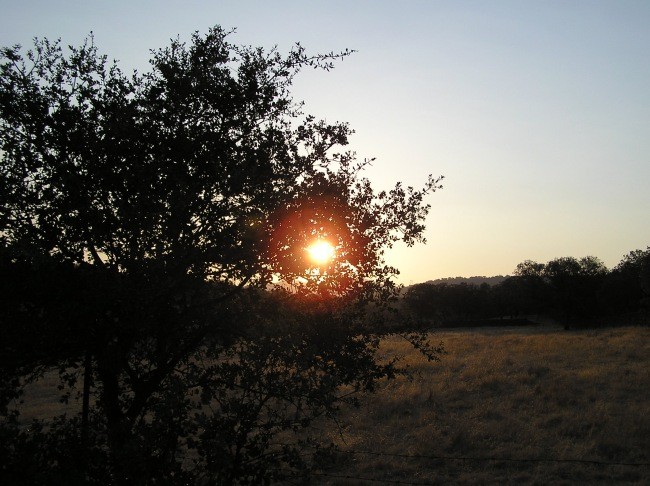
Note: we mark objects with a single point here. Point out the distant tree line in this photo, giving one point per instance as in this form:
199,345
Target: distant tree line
476,280
573,291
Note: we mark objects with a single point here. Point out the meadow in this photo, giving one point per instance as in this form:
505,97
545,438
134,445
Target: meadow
513,405
534,405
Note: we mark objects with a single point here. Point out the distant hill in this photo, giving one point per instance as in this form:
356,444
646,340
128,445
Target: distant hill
469,280
476,280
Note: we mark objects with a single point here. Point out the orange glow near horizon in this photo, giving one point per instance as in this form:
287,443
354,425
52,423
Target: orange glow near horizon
320,252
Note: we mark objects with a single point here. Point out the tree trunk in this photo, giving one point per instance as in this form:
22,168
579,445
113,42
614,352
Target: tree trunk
85,410
119,428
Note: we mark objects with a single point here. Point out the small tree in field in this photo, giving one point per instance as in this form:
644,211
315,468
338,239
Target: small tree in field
137,216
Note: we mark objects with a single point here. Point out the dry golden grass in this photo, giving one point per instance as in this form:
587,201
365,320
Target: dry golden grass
533,393
507,393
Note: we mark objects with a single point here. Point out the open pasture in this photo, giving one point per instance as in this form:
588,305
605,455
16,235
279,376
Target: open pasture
533,405
536,405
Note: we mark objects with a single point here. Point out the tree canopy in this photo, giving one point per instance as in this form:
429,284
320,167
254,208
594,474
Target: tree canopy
151,204
203,165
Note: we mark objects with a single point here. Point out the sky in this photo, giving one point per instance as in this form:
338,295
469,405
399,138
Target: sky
536,112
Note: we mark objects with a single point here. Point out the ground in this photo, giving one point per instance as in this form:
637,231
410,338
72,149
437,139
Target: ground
512,405
532,405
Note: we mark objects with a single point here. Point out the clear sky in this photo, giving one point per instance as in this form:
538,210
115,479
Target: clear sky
537,112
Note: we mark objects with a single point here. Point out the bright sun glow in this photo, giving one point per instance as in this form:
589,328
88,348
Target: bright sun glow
321,252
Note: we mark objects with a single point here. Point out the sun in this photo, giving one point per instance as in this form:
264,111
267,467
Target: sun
320,252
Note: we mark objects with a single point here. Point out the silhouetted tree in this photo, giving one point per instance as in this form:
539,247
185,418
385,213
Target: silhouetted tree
444,304
526,291
622,291
420,300
154,200
529,268
644,278
511,297
574,285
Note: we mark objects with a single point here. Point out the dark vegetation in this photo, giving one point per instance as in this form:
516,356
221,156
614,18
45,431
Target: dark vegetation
574,292
142,219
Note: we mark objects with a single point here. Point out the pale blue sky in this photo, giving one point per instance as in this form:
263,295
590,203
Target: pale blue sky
537,112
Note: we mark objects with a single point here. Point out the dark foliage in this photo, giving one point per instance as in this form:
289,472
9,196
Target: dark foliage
142,217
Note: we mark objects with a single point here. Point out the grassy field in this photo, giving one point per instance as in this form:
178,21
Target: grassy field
560,398
538,402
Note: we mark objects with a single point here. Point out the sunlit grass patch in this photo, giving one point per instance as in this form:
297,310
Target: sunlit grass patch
512,395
